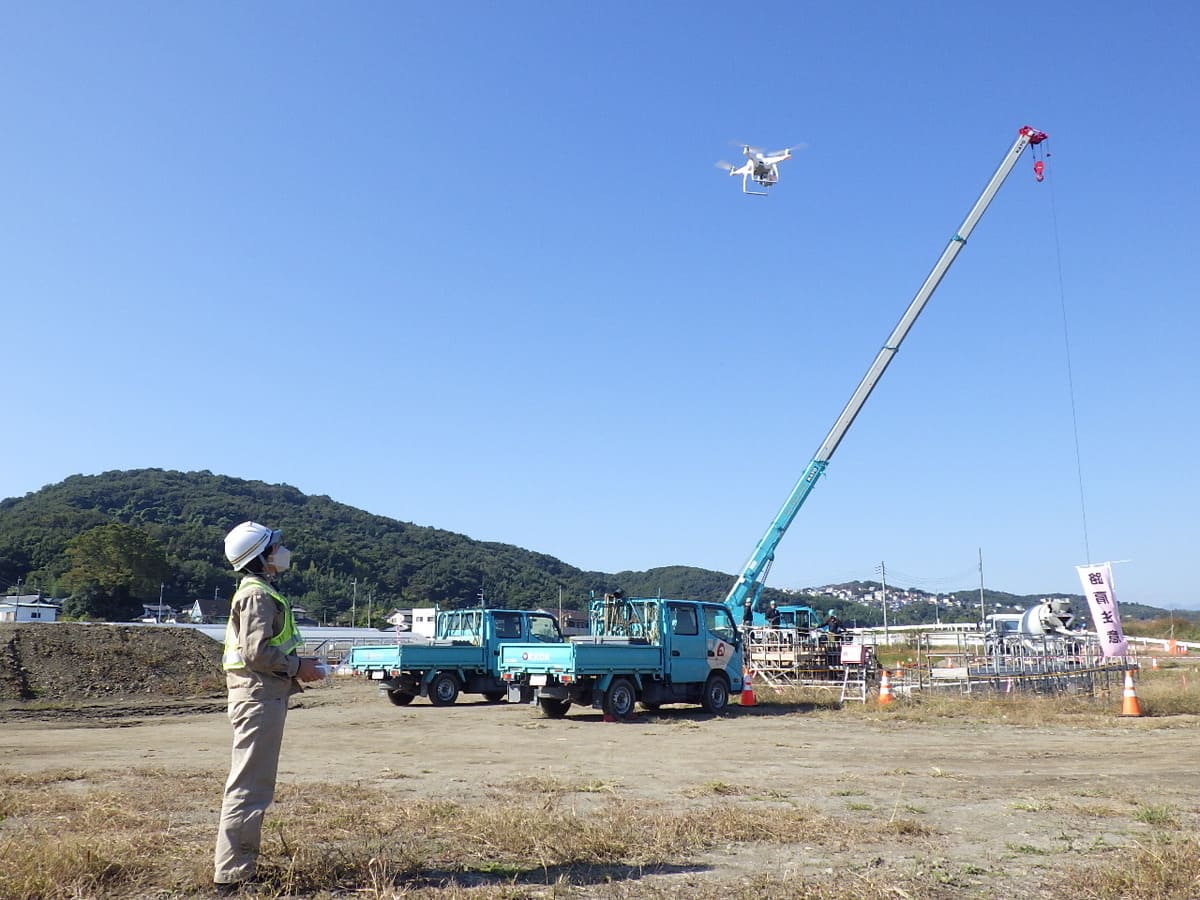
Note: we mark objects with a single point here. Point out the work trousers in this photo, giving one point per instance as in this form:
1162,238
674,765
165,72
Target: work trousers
257,737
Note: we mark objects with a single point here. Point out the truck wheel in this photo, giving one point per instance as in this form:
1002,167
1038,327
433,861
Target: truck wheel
443,690
716,694
400,698
620,698
494,696
553,708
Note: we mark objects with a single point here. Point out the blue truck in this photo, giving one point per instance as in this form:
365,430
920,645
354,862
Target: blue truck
648,651
462,657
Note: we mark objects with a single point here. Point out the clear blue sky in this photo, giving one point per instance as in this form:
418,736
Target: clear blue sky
471,266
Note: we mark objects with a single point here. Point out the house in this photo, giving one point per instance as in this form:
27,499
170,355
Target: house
157,612
420,620
28,608
207,612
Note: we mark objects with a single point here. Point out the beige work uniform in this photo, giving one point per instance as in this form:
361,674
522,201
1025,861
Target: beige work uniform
258,699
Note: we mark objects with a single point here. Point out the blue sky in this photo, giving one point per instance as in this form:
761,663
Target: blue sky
472,266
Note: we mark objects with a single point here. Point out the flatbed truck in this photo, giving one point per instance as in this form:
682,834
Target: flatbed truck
462,657
648,651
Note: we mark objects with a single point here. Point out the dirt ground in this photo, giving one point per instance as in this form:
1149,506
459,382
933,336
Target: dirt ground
1011,803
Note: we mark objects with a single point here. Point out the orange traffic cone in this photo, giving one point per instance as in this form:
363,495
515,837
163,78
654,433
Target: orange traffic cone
748,698
1154,662
1129,705
885,689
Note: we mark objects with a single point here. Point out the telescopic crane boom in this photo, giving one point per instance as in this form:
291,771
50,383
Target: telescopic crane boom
749,584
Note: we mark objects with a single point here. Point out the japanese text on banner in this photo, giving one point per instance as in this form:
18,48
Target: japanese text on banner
1102,601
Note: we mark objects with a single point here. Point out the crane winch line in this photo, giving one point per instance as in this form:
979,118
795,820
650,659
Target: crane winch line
745,592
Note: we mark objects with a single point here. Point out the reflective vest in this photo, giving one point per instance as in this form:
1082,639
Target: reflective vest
287,640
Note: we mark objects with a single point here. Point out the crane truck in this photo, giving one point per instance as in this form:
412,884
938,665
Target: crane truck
636,650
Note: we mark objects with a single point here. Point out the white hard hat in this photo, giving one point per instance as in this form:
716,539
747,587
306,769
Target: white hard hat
246,541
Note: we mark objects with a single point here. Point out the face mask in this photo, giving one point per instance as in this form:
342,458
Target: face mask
280,559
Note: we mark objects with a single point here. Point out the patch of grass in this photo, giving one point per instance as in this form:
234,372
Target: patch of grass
1165,868
1165,816
1028,849
908,827
1031,805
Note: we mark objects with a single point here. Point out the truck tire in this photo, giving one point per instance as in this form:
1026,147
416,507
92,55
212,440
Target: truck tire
620,699
716,694
400,698
553,708
443,690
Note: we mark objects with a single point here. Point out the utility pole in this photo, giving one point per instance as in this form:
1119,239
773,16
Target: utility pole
354,603
982,617
882,570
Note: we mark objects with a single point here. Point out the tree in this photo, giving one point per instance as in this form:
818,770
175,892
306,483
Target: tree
113,569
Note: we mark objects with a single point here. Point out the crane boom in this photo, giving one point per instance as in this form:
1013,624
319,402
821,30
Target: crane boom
745,591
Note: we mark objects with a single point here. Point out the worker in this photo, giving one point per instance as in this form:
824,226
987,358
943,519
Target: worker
832,623
772,615
262,670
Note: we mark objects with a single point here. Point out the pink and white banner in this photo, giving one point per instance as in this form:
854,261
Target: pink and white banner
1102,600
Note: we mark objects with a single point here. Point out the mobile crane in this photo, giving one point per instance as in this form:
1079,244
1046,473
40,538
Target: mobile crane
661,651
743,596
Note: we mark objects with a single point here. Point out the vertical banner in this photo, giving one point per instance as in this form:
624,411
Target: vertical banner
1102,600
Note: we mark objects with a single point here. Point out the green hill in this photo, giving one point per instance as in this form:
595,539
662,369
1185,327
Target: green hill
347,558
112,541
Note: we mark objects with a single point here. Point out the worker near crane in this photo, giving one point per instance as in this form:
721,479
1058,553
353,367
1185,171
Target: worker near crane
832,623
262,670
772,615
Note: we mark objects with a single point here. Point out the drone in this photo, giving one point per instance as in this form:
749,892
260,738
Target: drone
760,168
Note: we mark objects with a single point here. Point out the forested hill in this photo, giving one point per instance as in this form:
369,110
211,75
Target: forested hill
109,541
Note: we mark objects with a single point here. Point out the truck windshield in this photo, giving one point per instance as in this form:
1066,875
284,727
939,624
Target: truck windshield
718,621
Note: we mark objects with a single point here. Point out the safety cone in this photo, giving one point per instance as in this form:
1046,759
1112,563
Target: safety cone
885,689
1129,705
748,698
1154,662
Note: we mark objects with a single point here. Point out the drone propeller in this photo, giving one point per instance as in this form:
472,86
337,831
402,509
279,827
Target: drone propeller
724,166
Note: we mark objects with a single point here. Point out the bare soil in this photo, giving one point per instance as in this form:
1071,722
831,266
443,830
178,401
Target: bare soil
999,809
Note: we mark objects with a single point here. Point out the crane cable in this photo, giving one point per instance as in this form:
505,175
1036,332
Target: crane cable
1062,300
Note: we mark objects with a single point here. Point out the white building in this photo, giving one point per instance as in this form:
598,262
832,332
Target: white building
28,608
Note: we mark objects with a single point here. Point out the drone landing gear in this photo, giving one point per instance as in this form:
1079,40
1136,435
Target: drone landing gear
748,181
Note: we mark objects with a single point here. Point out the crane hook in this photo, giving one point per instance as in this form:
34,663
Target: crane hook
1039,169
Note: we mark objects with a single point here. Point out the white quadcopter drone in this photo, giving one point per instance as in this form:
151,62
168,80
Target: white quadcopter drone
760,167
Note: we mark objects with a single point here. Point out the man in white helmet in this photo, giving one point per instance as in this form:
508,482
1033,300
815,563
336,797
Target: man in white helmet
262,670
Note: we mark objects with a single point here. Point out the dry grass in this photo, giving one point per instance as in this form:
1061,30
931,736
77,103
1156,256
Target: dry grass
1161,693
1166,867
150,833
154,832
